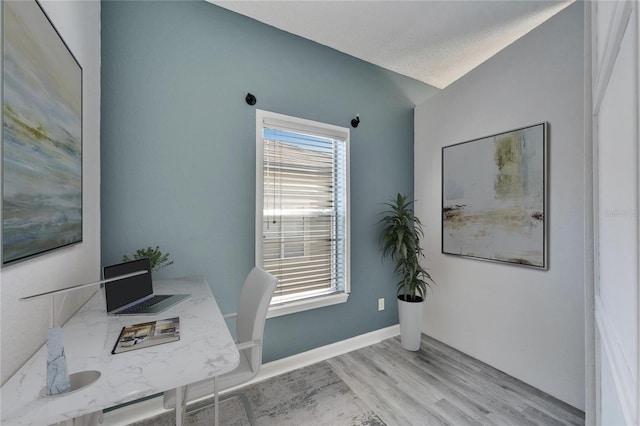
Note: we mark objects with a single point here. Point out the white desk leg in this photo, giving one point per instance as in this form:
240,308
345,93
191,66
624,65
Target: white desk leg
179,405
215,401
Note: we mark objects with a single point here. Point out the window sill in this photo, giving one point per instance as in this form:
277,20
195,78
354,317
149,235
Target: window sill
306,304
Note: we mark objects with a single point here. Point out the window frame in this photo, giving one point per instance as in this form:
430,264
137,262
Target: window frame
320,129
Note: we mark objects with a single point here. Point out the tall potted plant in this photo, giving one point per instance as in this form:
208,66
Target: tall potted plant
400,239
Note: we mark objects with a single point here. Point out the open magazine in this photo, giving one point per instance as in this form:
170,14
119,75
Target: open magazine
147,334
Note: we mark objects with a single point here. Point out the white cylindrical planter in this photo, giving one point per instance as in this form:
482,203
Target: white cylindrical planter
410,314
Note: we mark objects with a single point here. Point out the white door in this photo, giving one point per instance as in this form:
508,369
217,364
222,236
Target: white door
615,41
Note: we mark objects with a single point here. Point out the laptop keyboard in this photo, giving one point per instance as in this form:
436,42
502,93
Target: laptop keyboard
142,306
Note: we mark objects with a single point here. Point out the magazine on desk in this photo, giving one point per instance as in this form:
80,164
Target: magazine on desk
138,336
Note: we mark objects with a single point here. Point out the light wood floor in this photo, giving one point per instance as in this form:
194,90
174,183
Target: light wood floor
441,386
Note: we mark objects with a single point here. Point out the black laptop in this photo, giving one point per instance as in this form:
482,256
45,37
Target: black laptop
134,295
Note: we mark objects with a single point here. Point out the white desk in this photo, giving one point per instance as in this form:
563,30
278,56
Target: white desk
205,350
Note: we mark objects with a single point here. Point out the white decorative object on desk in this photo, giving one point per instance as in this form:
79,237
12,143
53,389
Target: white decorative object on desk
57,372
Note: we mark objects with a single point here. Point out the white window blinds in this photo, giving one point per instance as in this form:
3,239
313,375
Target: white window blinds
304,207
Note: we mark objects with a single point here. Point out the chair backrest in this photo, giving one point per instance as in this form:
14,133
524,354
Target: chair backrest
252,311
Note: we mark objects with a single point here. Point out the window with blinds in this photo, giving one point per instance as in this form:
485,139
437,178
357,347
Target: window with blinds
302,196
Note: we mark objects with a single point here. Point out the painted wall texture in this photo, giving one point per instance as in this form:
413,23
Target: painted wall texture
178,150
528,323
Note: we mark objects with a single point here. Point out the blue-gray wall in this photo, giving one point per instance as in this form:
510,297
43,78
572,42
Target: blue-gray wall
178,150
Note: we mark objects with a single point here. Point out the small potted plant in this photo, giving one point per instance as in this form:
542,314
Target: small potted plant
158,260
400,241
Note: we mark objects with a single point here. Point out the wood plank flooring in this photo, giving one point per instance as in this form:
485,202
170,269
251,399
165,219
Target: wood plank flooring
439,385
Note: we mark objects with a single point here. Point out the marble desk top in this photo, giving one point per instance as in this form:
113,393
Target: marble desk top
205,349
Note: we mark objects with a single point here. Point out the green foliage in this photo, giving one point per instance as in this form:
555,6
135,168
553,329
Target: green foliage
158,260
400,241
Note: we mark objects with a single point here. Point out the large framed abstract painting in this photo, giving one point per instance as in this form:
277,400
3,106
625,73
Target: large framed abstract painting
494,197
41,136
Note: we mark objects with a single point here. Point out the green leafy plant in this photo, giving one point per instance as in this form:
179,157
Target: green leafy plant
158,259
400,241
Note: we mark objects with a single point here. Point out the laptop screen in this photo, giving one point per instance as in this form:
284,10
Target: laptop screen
122,292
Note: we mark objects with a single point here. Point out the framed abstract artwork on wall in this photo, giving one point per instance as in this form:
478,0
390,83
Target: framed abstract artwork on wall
494,197
41,136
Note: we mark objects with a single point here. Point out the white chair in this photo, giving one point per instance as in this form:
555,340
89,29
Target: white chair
250,318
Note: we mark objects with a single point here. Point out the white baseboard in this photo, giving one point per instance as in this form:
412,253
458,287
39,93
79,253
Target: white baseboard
153,407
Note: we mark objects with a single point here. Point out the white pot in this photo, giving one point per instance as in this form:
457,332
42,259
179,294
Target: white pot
410,314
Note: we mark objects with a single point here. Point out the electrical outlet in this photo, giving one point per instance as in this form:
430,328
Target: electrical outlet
381,304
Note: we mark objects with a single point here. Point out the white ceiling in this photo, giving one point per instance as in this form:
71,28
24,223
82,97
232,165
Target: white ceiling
435,42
